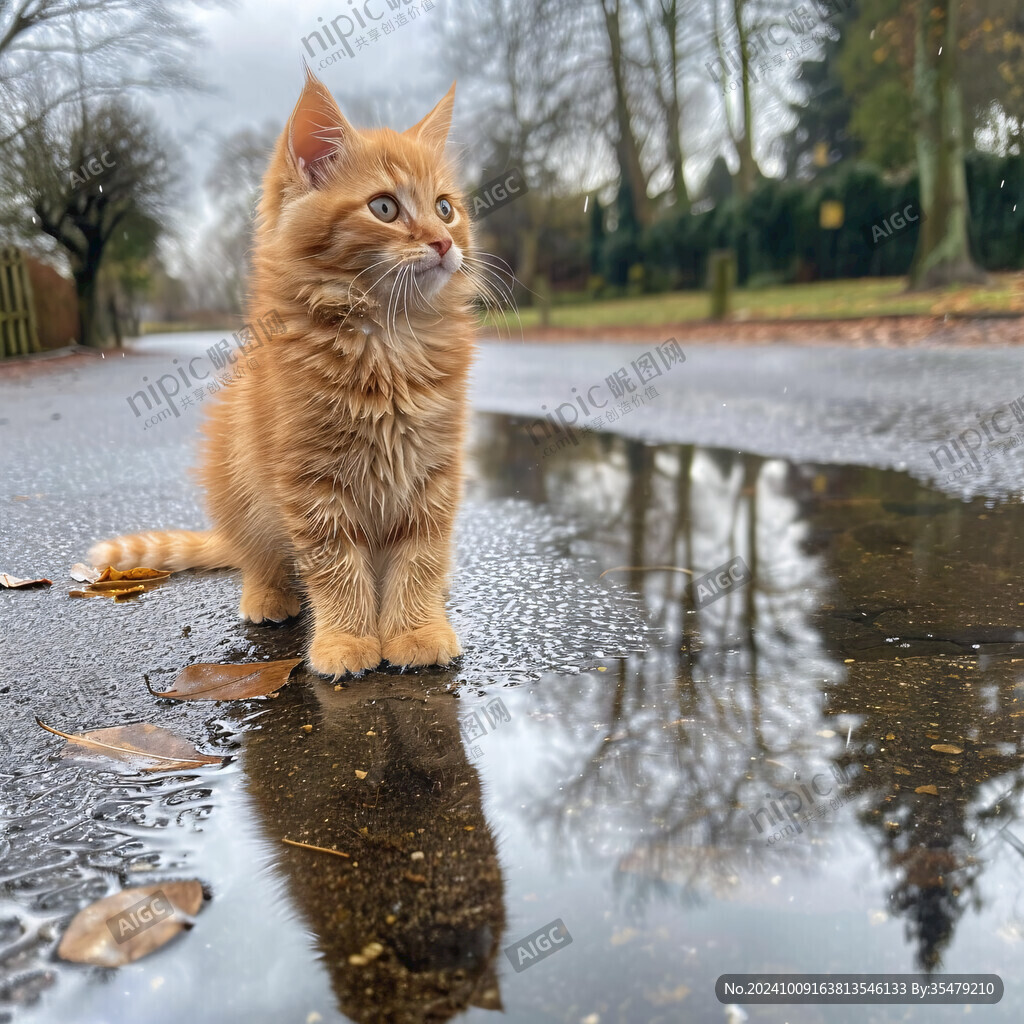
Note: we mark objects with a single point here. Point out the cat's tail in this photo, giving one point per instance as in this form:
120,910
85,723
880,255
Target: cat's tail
166,549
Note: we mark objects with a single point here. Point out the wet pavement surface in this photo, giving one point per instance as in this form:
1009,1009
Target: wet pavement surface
819,770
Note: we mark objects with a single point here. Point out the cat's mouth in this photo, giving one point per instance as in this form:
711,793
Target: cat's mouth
431,277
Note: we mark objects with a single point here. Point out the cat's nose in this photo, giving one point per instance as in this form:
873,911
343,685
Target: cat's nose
441,247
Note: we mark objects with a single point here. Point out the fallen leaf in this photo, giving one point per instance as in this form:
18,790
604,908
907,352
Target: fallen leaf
13,583
946,748
111,932
360,775
121,585
114,586
165,750
112,575
931,790
120,592
229,682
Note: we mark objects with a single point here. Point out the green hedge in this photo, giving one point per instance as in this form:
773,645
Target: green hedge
777,237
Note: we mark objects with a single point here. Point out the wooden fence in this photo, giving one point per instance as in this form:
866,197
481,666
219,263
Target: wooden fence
18,333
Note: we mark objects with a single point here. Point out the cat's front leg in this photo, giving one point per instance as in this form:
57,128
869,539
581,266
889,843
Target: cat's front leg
413,627
339,579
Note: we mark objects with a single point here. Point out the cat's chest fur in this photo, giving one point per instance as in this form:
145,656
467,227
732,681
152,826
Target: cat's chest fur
367,421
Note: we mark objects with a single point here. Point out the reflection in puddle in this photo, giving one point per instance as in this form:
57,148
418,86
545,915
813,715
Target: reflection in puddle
820,770
409,921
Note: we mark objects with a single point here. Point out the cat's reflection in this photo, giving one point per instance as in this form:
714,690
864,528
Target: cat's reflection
410,922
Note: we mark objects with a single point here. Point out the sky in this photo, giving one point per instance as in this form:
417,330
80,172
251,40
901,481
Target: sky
252,65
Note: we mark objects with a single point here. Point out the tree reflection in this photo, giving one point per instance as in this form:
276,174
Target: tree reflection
664,764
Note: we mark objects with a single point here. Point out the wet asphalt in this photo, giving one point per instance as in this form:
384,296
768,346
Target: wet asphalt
628,708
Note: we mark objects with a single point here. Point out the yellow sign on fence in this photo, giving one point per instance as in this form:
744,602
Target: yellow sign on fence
831,214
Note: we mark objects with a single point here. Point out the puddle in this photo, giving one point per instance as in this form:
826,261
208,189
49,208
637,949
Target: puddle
816,771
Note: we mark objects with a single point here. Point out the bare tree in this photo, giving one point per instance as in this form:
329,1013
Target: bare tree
85,174
88,48
233,185
526,108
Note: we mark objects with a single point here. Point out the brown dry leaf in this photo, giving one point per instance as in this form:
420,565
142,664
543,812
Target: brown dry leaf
229,682
130,924
947,748
14,583
141,742
119,586
112,575
931,790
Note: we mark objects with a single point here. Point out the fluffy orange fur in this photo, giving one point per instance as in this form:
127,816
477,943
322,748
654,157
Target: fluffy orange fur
334,468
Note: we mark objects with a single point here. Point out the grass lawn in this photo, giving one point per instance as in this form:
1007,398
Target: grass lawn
829,300
862,297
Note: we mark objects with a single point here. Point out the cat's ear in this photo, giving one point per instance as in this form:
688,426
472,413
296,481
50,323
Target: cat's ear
315,130
433,129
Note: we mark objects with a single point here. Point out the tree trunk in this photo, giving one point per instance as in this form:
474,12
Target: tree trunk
627,149
526,272
746,176
943,253
87,287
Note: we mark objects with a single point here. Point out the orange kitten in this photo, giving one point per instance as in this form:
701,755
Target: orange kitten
335,466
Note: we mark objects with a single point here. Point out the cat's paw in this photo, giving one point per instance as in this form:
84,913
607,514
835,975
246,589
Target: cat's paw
268,604
432,644
338,654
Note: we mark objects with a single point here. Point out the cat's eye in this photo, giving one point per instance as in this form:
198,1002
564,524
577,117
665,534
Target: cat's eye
445,210
384,208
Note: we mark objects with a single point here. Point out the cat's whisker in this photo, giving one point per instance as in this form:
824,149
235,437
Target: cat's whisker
427,302
482,274
390,321
366,270
496,274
